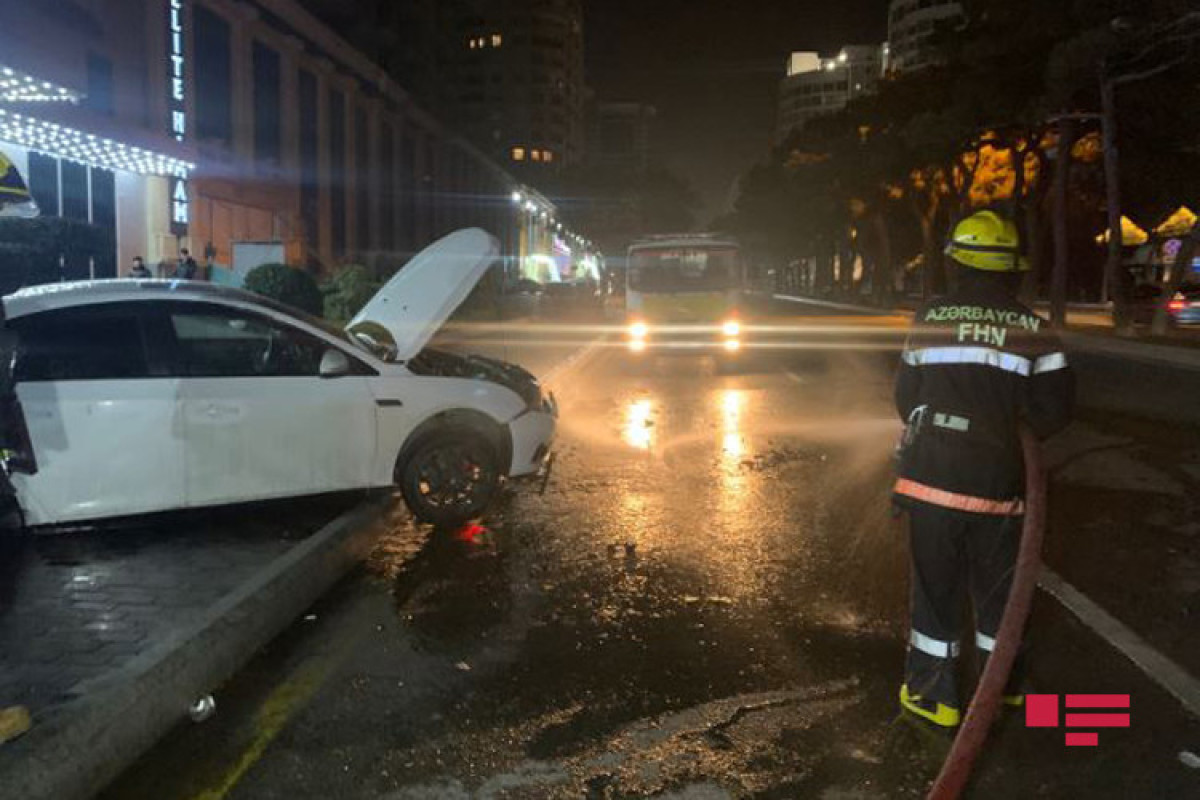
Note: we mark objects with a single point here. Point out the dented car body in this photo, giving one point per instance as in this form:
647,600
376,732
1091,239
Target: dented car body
134,397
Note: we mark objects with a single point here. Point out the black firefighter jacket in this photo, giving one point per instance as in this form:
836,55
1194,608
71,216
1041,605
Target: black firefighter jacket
977,364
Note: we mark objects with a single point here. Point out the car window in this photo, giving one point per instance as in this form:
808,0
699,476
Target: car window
102,342
221,343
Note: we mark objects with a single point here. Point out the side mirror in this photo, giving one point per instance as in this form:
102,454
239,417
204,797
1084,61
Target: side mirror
334,364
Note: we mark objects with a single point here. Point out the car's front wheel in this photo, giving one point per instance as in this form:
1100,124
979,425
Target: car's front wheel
449,477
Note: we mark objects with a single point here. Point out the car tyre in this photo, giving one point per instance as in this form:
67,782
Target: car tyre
449,478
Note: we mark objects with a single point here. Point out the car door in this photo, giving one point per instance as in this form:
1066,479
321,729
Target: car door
259,421
103,414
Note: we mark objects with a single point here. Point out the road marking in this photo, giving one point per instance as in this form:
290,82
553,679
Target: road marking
794,378
1173,678
274,715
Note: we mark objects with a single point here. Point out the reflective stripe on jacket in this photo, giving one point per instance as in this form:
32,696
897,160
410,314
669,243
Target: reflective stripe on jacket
977,364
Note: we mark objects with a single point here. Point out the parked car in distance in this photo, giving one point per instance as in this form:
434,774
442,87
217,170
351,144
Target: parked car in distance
522,298
1183,306
134,397
577,300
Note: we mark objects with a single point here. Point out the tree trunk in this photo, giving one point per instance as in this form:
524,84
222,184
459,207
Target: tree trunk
1067,136
1114,279
931,252
881,280
1179,270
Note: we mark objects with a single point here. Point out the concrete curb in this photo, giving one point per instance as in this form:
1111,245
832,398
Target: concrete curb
77,748
1162,355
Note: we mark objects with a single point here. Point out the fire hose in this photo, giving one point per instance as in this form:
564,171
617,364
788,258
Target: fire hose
956,770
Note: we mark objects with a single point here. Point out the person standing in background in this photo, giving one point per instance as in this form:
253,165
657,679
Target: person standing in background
186,270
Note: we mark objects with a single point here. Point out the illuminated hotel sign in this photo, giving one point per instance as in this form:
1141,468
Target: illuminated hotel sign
176,94
181,209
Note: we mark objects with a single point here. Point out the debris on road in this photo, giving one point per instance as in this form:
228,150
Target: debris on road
14,721
203,709
462,666
1189,759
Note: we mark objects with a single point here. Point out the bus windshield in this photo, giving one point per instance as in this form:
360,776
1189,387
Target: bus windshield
683,269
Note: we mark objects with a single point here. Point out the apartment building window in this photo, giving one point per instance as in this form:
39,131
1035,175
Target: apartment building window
99,85
362,162
104,215
387,187
408,167
74,191
309,190
43,183
518,154
267,106
213,76
337,169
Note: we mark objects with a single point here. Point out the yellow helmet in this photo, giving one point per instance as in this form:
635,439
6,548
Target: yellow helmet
989,242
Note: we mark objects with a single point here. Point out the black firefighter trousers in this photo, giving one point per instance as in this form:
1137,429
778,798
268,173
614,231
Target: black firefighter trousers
952,551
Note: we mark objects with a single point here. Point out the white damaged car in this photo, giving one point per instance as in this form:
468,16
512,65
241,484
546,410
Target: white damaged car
131,397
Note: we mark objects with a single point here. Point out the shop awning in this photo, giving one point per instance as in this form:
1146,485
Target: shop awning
1178,224
96,151
1131,234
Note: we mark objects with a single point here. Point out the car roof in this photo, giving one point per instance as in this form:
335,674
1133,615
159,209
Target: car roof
53,296
684,240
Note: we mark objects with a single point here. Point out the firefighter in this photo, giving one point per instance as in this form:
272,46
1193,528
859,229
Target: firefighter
978,364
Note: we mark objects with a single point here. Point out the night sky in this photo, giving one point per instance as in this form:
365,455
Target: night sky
712,68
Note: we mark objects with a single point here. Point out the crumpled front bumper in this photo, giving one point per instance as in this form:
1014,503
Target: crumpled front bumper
532,435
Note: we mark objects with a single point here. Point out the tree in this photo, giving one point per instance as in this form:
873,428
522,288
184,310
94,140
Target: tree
293,287
347,292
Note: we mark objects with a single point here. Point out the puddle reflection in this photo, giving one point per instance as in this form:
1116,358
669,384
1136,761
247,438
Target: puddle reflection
639,427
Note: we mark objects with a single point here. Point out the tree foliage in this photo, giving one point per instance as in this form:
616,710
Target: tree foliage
884,179
347,292
288,285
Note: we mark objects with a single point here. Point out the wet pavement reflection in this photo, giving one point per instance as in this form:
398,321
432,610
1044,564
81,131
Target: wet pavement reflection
708,600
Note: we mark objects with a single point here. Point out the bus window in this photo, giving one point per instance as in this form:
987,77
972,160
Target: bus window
683,270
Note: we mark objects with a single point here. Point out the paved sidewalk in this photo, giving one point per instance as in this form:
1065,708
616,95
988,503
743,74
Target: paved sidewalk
75,606
1184,355
107,637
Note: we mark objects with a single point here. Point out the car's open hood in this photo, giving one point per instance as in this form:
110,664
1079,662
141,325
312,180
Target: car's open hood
418,300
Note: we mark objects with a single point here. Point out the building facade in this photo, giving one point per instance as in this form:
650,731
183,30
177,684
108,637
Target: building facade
514,81
815,86
620,136
242,130
912,28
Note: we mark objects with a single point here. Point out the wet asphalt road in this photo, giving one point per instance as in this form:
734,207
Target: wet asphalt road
709,600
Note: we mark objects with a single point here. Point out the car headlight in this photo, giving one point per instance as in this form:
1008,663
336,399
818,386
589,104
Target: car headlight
732,329
639,330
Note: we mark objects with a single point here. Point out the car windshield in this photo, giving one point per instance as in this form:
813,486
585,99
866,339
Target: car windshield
374,340
683,269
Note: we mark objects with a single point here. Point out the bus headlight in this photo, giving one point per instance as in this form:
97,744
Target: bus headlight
638,331
732,329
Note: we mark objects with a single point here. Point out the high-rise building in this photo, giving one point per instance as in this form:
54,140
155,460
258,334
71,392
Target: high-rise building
513,81
621,136
815,86
912,25
238,129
